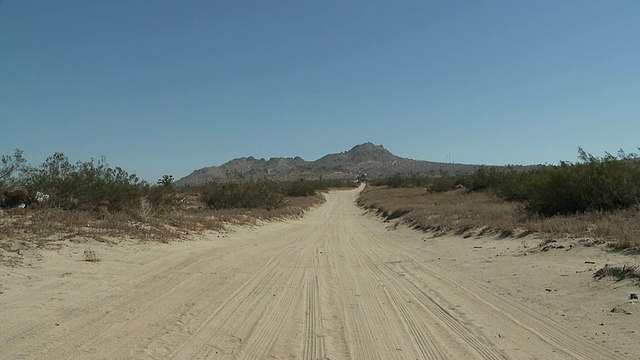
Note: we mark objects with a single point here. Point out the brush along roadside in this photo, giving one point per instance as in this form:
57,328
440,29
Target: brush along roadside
462,211
50,228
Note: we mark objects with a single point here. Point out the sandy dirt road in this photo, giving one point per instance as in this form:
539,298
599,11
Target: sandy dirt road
336,284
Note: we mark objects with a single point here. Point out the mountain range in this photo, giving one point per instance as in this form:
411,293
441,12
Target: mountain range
372,161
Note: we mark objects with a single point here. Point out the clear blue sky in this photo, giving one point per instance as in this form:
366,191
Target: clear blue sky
167,87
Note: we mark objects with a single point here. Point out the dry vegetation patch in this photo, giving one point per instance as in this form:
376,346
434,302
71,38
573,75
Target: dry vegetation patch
619,273
43,206
461,210
49,228
91,256
452,210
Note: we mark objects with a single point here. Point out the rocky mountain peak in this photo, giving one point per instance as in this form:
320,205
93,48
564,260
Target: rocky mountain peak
364,159
370,152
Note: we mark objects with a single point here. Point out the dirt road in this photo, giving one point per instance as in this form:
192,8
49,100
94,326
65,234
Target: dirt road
336,284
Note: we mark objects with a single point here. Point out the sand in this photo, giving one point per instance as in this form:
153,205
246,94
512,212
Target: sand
336,284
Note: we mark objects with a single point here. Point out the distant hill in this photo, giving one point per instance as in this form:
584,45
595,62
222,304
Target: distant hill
368,159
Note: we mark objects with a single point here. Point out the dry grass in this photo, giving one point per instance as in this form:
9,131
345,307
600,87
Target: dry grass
619,273
48,226
91,256
446,211
460,210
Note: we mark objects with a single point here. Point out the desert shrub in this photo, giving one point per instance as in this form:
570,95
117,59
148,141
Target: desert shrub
324,184
10,167
161,196
482,179
396,181
555,190
595,184
84,184
299,187
512,186
15,196
620,273
403,181
92,256
444,183
264,194
433,183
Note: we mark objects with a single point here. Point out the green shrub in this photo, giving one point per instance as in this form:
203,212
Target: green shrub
512,186
160,197
404,181
396,181
264,194
299,188
444,183
325,184
163,194
84,184
483,178
10,166
595,184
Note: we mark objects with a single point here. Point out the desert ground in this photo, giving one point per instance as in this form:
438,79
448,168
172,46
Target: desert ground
339,283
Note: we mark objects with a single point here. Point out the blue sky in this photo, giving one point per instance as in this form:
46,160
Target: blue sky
168,87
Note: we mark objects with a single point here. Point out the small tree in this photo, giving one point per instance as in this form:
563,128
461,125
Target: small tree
163,194
9,165
166,180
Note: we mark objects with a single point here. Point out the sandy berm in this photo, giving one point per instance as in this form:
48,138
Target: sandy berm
337,284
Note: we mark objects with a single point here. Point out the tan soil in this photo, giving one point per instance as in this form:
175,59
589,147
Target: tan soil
337,284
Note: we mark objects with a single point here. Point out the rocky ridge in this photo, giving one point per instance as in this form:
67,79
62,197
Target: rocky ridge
372,161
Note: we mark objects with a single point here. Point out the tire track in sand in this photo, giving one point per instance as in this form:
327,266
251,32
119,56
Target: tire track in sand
249,301
267,331
332,285
421,317
314,347
542,327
